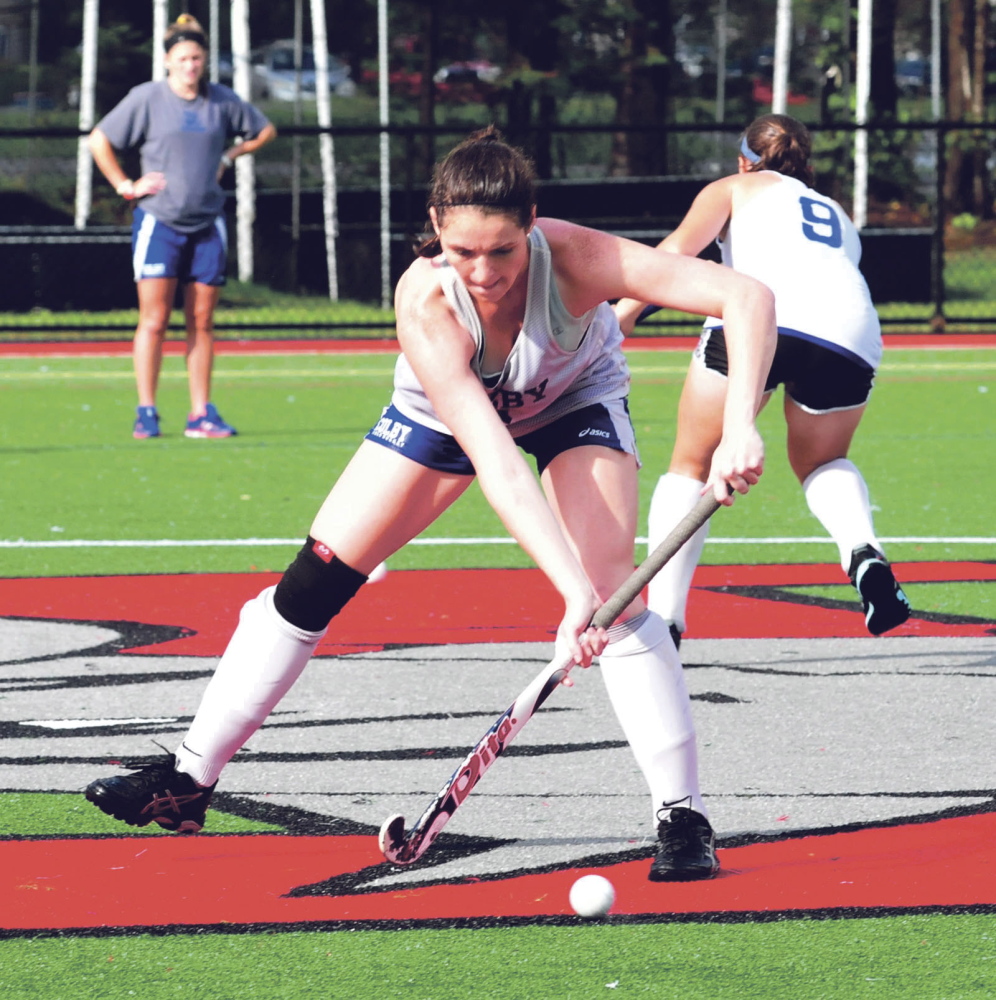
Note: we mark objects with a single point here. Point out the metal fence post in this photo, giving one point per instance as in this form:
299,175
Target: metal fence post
937,321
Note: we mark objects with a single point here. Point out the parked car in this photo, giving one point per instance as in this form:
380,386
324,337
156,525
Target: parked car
465,81
468,72
274,76
912,75
43,102
399,81
763,91
226,68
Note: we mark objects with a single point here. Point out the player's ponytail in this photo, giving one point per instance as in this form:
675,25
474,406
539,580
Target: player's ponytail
186,28
781,143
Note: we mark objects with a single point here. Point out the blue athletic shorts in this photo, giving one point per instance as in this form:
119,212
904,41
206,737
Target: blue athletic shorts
818,377
160,251
606,424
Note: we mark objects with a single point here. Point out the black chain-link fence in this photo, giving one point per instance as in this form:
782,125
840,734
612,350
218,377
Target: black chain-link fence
928,266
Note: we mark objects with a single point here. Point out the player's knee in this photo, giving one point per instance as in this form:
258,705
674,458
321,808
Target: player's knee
315,587
606,578
152,328
691,462
807,468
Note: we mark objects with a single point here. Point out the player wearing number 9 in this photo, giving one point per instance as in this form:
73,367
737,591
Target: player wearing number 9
771,224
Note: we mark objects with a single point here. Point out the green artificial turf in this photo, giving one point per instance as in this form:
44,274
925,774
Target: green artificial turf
61,814
975,598
922,957
241,305
70,470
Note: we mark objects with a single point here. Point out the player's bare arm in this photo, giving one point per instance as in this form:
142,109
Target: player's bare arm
594,267
705,221
249,146
440,350
597,266
106,159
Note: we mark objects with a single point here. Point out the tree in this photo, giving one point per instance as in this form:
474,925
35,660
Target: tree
644,93
967,187
534,42
884,94
627,49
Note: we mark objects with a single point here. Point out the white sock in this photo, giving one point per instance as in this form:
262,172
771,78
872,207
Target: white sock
667,594
646,685
838,495
264,657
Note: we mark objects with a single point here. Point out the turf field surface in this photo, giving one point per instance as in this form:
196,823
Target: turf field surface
74,475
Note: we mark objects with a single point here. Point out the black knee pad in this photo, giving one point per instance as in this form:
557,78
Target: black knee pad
315,587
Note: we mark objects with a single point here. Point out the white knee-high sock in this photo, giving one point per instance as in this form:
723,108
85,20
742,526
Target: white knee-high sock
674,496
646,685
264,657
838,495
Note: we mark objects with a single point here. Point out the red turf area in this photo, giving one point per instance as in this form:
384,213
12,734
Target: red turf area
946,341
469,605
126,882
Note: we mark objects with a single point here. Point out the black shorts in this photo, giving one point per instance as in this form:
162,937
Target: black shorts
818,377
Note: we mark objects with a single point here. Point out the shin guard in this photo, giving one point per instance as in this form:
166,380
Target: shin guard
838,496
646,685
667,593
264,658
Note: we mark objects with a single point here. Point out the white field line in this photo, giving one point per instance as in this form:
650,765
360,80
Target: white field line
219,372
180,543
92,723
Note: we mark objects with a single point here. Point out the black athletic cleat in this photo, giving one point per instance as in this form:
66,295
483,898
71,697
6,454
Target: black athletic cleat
885,604
687,849
154,791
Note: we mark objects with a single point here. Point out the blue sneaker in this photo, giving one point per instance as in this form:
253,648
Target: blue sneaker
146,423
211,425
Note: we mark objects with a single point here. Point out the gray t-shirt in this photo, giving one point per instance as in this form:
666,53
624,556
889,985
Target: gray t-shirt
184,140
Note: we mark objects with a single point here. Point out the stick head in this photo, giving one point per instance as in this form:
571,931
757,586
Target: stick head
392,837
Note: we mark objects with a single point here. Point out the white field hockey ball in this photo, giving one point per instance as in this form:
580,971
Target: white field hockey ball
592,896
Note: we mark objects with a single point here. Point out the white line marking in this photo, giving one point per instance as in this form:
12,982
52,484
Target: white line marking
91,723
180,543
223,373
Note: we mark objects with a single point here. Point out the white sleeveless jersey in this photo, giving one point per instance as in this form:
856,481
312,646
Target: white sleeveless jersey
803,246
558,364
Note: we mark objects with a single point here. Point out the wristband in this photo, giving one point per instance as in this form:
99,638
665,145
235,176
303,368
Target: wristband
126,189
226,161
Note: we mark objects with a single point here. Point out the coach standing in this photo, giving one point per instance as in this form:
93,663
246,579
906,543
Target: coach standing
183,127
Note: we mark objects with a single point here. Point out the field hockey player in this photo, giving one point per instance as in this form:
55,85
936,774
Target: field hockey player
771,224
507,343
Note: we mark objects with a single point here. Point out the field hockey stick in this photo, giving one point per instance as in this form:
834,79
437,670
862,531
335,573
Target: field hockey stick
403,848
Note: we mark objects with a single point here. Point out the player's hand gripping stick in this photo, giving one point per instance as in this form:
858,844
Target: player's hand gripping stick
403,848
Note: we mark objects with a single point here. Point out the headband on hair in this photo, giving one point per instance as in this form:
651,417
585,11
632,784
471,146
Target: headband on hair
185,35
747,153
